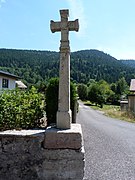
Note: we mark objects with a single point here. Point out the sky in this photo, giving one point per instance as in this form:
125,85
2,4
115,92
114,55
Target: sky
106,25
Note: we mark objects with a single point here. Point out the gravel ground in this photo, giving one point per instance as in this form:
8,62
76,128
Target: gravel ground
109,146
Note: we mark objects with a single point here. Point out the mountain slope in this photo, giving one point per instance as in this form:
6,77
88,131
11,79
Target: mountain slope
37,66
94,64
130,63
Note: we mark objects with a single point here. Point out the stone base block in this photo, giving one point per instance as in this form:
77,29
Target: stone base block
64,119
63,164
64,139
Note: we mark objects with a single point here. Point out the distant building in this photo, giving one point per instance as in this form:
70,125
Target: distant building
131,97
10,81
132,86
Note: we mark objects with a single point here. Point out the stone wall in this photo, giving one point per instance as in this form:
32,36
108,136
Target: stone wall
124,105
23,156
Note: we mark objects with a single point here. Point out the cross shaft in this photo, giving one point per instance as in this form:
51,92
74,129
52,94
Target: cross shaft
64,26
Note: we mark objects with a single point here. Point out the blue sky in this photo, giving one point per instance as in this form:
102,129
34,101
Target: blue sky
106,25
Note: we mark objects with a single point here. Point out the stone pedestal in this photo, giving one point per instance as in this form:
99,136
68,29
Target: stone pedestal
64,139
65,153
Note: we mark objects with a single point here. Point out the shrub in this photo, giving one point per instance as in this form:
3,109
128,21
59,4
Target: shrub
20,109
73,100
82,91
99,92
52,99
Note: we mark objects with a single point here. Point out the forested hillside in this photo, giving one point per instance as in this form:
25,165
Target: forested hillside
32,66
94,64
38,66
130,63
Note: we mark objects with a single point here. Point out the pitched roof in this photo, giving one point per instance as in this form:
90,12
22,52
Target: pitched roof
132,85
21,85
9,74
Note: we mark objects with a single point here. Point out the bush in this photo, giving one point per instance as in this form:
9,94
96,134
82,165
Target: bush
100,92
82,91
52,99
20,109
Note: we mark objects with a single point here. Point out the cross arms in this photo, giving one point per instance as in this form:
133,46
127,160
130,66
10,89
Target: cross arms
73,25
55,26
69,26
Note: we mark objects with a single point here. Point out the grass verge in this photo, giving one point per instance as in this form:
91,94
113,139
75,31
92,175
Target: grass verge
113,111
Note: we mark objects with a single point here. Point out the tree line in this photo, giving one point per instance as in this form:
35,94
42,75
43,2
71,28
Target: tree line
101,92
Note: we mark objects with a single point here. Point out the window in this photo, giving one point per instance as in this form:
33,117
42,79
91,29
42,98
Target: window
4,83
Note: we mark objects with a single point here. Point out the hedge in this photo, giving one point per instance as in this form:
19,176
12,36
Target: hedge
52,99
20,109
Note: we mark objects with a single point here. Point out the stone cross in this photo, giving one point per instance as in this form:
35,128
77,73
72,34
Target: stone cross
64,112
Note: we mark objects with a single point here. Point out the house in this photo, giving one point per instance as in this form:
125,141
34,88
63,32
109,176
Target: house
132,86
131,96
10,81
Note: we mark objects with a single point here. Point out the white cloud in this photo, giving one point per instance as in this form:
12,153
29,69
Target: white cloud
2,2
77,12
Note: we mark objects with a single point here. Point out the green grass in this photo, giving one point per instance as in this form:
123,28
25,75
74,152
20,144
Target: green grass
113,111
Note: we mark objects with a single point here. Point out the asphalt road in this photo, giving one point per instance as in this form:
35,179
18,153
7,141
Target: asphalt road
109,146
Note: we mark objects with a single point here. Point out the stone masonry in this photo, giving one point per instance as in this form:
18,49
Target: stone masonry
24,155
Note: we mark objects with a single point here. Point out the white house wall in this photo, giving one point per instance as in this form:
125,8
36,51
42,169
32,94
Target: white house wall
11,84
